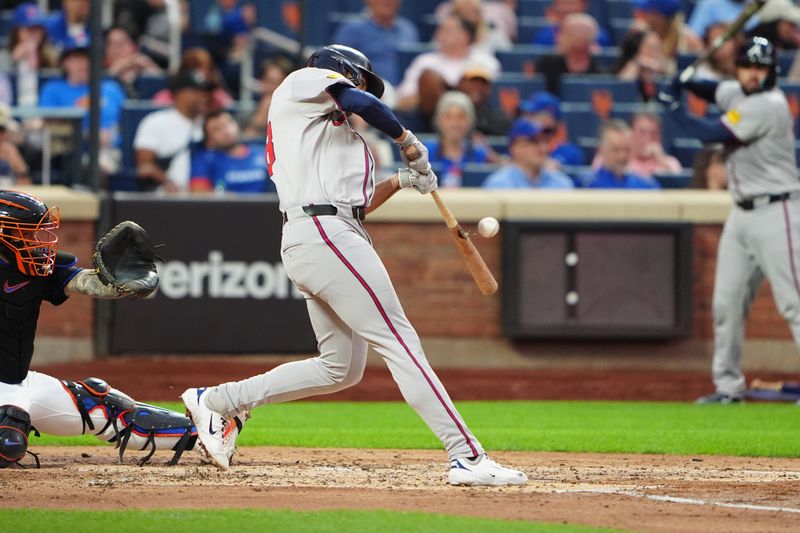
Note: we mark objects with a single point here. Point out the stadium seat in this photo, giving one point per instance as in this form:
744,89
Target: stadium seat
147,85
6,23
620,9
685,149
619,28
528,26
680,180
475,173
533,8
580,88
522,58
509,89
132,114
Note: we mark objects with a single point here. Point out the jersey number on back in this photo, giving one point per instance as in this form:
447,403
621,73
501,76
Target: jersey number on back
270,149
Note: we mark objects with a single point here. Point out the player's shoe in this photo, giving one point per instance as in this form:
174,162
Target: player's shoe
720,398
233,427
210,427
483,471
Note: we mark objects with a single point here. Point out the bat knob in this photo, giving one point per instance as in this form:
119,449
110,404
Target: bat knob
687,74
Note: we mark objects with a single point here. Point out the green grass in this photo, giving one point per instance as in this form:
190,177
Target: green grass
769,430
245,521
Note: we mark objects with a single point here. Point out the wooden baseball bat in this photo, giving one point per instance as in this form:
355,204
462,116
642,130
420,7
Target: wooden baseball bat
469,254
472,258
736,26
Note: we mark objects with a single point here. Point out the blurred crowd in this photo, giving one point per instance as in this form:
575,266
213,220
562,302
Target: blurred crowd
493,87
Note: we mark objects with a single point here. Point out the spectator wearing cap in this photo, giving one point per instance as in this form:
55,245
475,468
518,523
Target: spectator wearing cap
453,148
616,148
123,59
779,21
69,28
528,149
28,50
476,83
709,12
432,74
575,48
665,18
544,108
72,91
199,60
380,33
13,169
164,139
556,13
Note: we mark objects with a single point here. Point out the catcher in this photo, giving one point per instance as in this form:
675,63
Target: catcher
32,271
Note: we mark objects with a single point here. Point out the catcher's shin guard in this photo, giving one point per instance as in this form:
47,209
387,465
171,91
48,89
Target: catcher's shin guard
15,426
115,417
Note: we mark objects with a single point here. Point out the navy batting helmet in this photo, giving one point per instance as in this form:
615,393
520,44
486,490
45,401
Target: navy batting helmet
760,52
348,62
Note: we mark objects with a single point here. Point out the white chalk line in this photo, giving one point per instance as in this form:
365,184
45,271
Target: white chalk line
687,501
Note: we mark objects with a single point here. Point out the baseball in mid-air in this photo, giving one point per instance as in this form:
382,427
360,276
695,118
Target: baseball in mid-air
488,227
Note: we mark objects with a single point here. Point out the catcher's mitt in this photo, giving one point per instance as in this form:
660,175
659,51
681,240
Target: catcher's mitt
125,259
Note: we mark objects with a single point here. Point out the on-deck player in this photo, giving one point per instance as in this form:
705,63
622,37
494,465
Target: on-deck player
33,271
761,237
324,174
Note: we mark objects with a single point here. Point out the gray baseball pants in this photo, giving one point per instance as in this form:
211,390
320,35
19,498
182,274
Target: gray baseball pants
352,304
756,244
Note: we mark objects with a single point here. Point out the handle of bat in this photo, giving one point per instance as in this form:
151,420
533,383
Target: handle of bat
687,73
447,215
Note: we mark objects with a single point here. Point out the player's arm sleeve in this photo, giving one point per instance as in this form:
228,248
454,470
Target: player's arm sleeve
749,119
368,107
706,130
705,89
65,269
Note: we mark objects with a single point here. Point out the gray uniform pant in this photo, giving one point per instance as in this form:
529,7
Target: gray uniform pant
763,242
352,304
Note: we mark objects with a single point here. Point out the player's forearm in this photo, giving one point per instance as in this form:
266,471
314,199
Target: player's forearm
87,283
705,89
383,191
705,130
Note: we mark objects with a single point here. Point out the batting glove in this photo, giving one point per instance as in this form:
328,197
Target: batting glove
421,164
424,183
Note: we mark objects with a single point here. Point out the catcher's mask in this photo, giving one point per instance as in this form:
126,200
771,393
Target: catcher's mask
349,62
27,231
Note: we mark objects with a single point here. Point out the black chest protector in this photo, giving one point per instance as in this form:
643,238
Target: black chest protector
21,297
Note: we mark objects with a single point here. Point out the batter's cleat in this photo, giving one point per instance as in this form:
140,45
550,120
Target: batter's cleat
210,427
483,471
719,398
233,427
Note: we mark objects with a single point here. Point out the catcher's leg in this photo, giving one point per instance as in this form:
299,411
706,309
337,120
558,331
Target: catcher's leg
114,416
15,423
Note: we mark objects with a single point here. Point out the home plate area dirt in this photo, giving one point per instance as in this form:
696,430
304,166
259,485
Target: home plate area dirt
634,492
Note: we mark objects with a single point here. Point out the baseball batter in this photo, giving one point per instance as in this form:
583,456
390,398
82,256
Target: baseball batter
761,237
324,175
32,271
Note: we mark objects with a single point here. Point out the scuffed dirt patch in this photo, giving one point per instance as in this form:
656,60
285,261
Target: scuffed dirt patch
592,489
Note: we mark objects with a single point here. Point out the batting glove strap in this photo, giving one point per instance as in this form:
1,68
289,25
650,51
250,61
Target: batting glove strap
423,183
421,164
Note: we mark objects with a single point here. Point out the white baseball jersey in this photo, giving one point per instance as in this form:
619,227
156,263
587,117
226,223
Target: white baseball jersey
764,162
314,156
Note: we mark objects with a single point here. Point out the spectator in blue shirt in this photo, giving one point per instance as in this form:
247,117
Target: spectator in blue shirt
380,34
72,91
544,108
616,148
69,28
227,164
709,12
528,149
455,120
548,35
